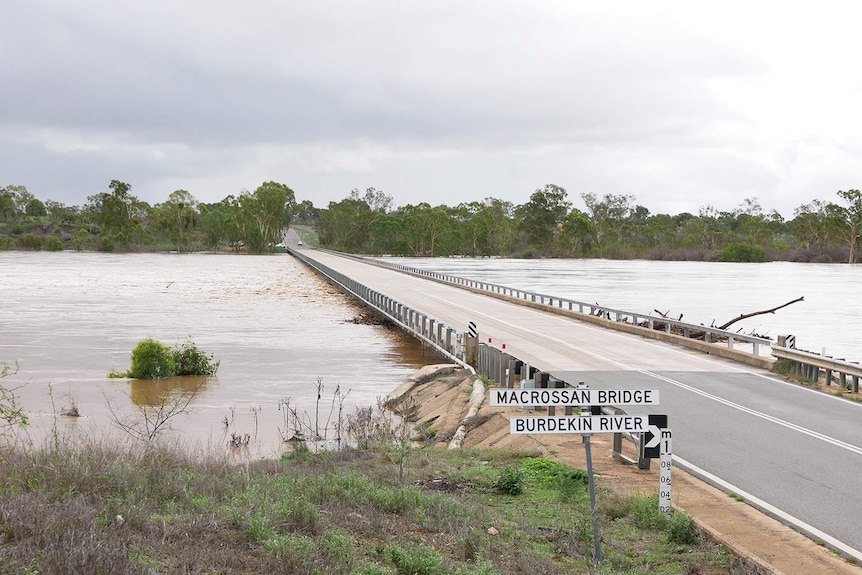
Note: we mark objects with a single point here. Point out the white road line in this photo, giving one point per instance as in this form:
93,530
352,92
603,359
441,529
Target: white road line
765,507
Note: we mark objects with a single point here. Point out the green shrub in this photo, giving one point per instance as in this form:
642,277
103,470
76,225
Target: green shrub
53,244
82,239
192,361
645,513
367,568
511,480
30,241
682,529
742,252
417,560
152,359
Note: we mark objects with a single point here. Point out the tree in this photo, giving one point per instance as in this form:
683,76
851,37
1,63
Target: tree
7,205
609,217
258,219
306,213
179,219
577,234
118,215
811,225
850,218
344,225
542,215
377,200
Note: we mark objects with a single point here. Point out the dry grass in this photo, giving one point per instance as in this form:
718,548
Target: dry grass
151,510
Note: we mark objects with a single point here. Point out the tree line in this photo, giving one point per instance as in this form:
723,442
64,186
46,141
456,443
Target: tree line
116,220
613,226
547,225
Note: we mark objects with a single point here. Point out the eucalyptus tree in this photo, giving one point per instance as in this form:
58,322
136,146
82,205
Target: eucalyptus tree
576,235
424,228
306,213
344,225
541,217
503,233
266,212
849,219
609,217
179,219
8,210
472,224
811,226
377,200
118,215
215,223
61,215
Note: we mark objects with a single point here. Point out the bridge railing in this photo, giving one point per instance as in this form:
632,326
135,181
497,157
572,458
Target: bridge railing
446,340
668,325
810,365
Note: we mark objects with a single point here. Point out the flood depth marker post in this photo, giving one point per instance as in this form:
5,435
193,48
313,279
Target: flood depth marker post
586,424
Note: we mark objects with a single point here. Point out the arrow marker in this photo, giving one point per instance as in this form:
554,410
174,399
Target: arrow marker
656,436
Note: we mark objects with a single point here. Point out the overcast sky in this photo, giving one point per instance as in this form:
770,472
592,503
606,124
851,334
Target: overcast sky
680,104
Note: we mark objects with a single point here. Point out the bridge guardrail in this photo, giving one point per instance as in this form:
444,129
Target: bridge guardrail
668,325
810,364
446,340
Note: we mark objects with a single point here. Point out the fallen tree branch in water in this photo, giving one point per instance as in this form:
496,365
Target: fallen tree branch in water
747,315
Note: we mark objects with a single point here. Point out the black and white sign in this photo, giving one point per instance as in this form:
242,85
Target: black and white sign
654,433
579,424
572,396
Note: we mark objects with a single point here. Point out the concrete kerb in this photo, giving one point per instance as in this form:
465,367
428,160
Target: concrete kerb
423,375
477,397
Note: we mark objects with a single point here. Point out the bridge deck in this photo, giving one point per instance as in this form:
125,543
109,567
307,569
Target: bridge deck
792,450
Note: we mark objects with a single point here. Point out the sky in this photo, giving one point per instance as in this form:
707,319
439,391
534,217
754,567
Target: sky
680,104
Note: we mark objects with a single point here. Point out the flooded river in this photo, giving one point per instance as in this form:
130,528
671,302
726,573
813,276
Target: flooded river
69,318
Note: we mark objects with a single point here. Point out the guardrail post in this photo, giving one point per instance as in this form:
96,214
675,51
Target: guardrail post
513,366
470,349
643,462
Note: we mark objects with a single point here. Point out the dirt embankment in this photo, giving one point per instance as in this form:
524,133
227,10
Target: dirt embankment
445,402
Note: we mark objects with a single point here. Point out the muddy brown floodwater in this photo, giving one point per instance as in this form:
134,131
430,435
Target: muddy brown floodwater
69,318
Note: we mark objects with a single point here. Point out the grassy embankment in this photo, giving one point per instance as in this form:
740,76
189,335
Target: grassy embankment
134,509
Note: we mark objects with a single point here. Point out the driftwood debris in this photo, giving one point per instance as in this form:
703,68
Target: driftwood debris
702,334
747,315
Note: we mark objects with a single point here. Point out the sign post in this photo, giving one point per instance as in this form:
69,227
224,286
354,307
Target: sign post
656,437
664,474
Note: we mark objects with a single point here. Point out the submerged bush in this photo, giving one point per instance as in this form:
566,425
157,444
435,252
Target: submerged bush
742,252
53,244
152,359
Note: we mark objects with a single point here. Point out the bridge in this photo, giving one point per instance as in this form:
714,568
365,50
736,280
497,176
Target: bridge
790,451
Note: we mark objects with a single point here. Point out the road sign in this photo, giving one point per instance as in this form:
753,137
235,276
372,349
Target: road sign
573,396
653,436
579,424
471,327
664,473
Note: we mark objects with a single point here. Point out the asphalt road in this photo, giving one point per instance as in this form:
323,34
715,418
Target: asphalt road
791,451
